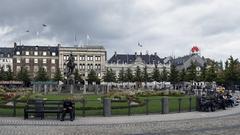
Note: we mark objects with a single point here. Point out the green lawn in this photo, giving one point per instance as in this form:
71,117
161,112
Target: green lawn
93,105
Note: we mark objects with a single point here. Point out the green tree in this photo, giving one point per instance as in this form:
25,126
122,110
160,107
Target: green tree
121,75
109,76
58,75
23,75
146,77
156,74
203,73
138,75
77,77
164,75
182,75
231,71
211,74
9,73
173,78
3,75
41,75
192,72
92,77
129,76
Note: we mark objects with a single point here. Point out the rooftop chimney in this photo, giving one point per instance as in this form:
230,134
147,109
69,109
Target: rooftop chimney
15,44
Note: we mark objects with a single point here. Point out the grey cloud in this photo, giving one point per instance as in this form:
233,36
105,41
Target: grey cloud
166,27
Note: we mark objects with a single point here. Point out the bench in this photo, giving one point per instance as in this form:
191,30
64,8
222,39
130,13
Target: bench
40,107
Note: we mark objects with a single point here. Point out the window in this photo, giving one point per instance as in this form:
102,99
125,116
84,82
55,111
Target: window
35,68
27,67
44,53
52,69
18,60
45,68
75,58
53,61
18,53
35,53
81,66
35,60
82,58
99,74
27,53
18,68
90,58
98,58
53,54
64,57
97,66
26,60
44,61
90,66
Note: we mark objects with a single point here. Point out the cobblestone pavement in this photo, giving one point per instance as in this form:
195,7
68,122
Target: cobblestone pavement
194,123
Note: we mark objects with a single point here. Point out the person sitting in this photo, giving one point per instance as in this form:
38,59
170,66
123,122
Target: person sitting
67,108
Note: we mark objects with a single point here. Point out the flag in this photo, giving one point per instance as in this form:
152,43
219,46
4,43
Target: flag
44,25
139,44
27,31
88,37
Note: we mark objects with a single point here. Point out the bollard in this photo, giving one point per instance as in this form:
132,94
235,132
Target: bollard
165,105
190,104
107,107
179,104
83,107
198,98
14,107
129,107
147,109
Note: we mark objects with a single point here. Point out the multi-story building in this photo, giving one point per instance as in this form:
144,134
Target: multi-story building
185,61
34,57
86,58
6,55
124,61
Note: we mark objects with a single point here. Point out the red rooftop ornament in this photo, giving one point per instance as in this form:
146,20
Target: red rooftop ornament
195,49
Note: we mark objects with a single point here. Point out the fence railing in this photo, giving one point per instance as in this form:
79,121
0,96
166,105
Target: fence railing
109,107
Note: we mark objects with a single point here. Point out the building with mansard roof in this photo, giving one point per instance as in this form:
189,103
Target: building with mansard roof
185,61
124,61
6,55
34,57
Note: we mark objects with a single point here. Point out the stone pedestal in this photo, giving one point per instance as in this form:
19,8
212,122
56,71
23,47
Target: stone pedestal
71,88
45,89
84,89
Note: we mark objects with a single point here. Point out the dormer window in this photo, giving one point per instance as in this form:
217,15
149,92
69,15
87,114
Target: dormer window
44,53
53,54
35,53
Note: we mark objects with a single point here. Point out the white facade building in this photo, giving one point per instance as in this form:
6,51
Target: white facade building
124,61
6,59
86,58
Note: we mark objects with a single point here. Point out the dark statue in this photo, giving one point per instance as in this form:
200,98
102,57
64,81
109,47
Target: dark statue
70,65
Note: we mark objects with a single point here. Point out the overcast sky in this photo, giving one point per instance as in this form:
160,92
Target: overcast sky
168,27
